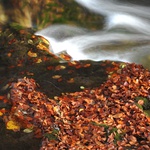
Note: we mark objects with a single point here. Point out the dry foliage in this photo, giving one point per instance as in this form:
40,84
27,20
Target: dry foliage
106,117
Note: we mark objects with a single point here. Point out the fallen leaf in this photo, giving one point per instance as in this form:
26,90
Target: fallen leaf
13,125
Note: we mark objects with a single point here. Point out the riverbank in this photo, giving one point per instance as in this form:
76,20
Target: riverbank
68,104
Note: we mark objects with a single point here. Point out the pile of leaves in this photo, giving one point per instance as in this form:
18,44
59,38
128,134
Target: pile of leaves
114,115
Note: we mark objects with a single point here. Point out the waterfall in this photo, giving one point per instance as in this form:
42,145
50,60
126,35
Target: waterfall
125,36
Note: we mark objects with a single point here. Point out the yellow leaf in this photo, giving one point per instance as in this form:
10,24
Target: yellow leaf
39,61
56,76
12,125
1,114
31,54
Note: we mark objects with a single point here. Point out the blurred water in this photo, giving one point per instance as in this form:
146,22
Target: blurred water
125,36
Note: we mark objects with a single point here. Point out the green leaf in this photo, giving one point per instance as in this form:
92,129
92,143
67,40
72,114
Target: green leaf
147,113
53,135
146,105
101,125
139,106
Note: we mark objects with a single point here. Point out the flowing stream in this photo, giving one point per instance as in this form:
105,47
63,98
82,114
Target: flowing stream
124,37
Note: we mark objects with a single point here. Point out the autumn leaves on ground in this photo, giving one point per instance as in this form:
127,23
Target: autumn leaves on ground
38,95
111,116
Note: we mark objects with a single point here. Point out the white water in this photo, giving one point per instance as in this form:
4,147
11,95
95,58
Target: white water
125,24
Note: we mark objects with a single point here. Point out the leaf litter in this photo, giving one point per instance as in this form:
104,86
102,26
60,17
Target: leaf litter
113,116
